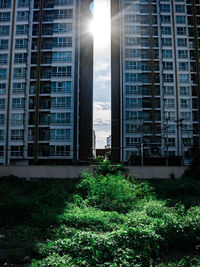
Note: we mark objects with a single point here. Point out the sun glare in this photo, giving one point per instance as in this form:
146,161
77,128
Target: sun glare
100,25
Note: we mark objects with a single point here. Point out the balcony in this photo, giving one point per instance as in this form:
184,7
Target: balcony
44,103
43,135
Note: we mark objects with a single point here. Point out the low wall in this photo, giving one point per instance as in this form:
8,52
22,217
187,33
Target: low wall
161,172
45,171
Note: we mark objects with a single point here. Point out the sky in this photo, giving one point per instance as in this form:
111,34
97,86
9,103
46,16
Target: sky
102,67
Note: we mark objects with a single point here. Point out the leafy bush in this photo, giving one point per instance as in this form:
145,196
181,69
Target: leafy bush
194,170
106,168
130,245
184,261
54,260
90,218
110,192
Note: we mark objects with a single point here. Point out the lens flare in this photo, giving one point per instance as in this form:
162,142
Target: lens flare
100,25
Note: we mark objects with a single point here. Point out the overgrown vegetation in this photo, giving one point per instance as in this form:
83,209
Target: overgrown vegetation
104,219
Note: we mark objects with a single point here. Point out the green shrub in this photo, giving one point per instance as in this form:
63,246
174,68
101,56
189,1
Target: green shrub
132,245
91,218
106,168
185,261
110,192
54,260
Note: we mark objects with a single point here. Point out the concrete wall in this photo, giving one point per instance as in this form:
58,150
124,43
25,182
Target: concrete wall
44,171
161,172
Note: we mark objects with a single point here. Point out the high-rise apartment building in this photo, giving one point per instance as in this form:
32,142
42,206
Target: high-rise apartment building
155,78
46,73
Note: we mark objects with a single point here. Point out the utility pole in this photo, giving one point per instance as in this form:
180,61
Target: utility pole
141,143
167,142
180,125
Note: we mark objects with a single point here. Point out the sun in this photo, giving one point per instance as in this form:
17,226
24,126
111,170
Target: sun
100,25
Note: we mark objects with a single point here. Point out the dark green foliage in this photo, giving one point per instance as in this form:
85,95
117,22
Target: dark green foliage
110,192
194,170
105,220
106,168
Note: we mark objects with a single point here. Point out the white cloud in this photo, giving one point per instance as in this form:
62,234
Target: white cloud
102,78
102,66
102,120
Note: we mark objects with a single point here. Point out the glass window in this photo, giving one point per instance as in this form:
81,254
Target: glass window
16,151
4,16
2,135
133,102
63,14
167,65
61,102
20,58
3,73
183,78
2,103
168,90
63,2
166,41
180,8
19,73
180,19
182,42
4,30
60,118
62,27
62,42
184,90
186,115
166,30
62,71
17,118
182,54
21,43
19,88
133,77
62,56
133,115
22,29
3,58
3,44
5,3
60,134
61,87
132,65
181,30
169,103
167,53
22,15
18,103
2,119
164,7
165,19
170,115
132,53
60,151
17,135
2,88
131,89
168,77
185,103
183,66
23,3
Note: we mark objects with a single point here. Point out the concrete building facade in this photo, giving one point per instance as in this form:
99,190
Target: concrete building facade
155,74
46,80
